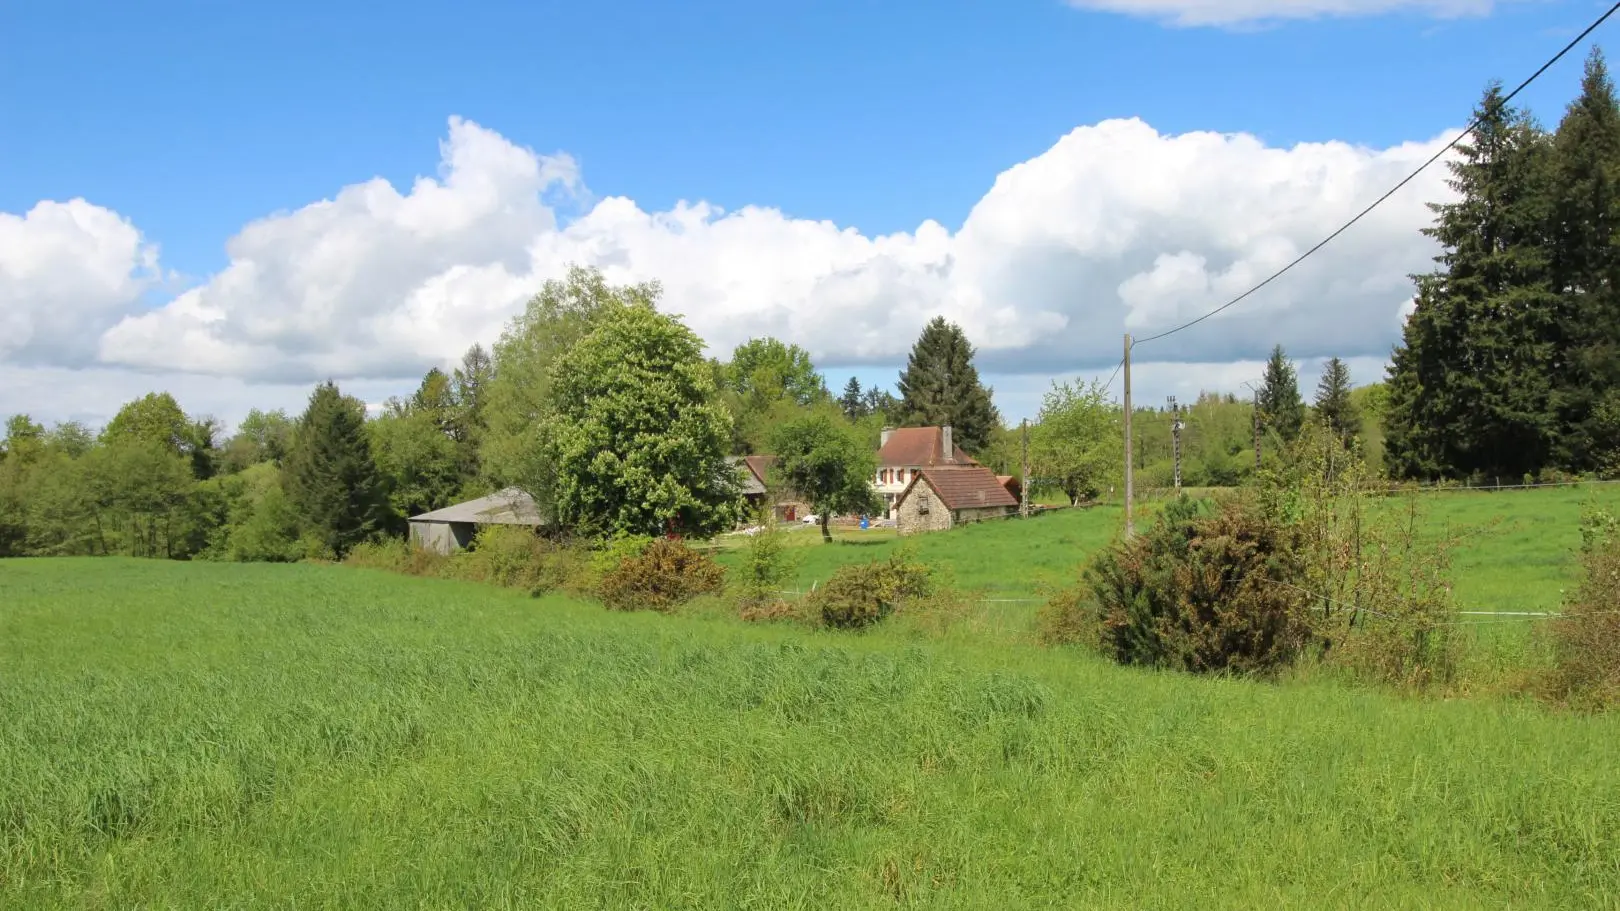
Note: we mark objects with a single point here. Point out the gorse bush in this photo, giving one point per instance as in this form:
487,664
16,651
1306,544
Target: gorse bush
861,594
1203,590
663,576
1586,637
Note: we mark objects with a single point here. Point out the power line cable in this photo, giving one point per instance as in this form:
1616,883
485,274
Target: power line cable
1393,190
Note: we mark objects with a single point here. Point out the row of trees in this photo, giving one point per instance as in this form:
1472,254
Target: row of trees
597,404
1508,365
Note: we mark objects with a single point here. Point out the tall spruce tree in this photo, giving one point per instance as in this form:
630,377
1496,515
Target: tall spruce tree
851,403
1471,392
329,474
1333,404
1280,405
941,386
1586,267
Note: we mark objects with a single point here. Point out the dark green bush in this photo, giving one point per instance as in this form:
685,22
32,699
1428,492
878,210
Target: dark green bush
661,577
861,594
1203,590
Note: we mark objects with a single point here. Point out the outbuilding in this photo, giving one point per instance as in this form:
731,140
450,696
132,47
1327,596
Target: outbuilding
944,497
452,528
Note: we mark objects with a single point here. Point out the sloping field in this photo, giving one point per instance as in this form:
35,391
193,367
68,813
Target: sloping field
177,735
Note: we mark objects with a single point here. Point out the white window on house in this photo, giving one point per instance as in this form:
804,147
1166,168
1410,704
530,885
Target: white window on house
922,501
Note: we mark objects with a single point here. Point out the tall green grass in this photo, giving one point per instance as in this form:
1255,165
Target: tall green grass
176,735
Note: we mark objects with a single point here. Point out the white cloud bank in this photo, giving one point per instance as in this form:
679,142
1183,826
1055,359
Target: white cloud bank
1244,12
1115,228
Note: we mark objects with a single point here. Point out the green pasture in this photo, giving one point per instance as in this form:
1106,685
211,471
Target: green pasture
207,736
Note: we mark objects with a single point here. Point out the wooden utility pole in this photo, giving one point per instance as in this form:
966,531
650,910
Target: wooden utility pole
1130,522
1257,430
1175,440
1023,486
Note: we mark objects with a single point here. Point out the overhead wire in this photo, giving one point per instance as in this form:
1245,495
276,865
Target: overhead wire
1392,191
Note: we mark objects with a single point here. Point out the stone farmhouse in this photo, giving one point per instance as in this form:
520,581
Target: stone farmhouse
943,497
905,453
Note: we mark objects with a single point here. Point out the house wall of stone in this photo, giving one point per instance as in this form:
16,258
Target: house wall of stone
909,517
966,516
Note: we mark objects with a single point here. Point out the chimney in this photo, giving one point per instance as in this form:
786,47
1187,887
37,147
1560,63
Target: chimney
947,451
884,439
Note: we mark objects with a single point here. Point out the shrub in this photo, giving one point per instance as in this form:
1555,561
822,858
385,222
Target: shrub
664,575
766,567
1380,589
861,594
1586,638
515,557
1203,592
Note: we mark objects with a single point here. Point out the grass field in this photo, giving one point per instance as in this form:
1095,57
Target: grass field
196,735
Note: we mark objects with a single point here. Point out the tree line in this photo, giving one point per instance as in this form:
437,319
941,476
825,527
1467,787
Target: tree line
592,400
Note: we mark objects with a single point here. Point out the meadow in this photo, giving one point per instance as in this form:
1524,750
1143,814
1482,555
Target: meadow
220,735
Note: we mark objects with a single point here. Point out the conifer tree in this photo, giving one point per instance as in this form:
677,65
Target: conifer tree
330,476
1586,266
1471,394
1280,405
1333,404
941,386
854,408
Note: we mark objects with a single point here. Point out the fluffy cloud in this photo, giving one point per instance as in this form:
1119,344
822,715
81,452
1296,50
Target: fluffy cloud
67,272
1115,228
1236,12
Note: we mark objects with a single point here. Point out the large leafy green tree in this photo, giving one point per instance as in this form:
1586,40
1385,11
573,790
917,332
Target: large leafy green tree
1333,403
637,439
1471,390
824,460
262,436
330,476
1077,443
1281,408
517,400
157,418
941,386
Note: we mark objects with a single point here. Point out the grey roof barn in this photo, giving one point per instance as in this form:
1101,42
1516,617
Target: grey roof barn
452,528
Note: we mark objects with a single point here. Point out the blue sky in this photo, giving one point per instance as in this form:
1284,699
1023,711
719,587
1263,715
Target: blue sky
191,119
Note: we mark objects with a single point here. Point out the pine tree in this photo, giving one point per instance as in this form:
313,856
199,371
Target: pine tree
854,408
941,386
1586,267
1472,393
1333,404
1281,408
330,476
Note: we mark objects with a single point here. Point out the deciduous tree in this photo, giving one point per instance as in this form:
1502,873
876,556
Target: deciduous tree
825,461
637,439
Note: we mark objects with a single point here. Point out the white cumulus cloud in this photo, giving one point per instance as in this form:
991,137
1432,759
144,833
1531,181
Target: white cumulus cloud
1241,12
68,270
1116,228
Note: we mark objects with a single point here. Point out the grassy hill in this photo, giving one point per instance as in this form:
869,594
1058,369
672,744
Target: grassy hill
192,735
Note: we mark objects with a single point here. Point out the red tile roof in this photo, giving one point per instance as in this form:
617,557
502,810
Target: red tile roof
917,447
959,487
760,464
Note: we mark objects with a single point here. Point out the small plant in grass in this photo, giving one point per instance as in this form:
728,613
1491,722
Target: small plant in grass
766,568
861,594
1586,638
663,576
